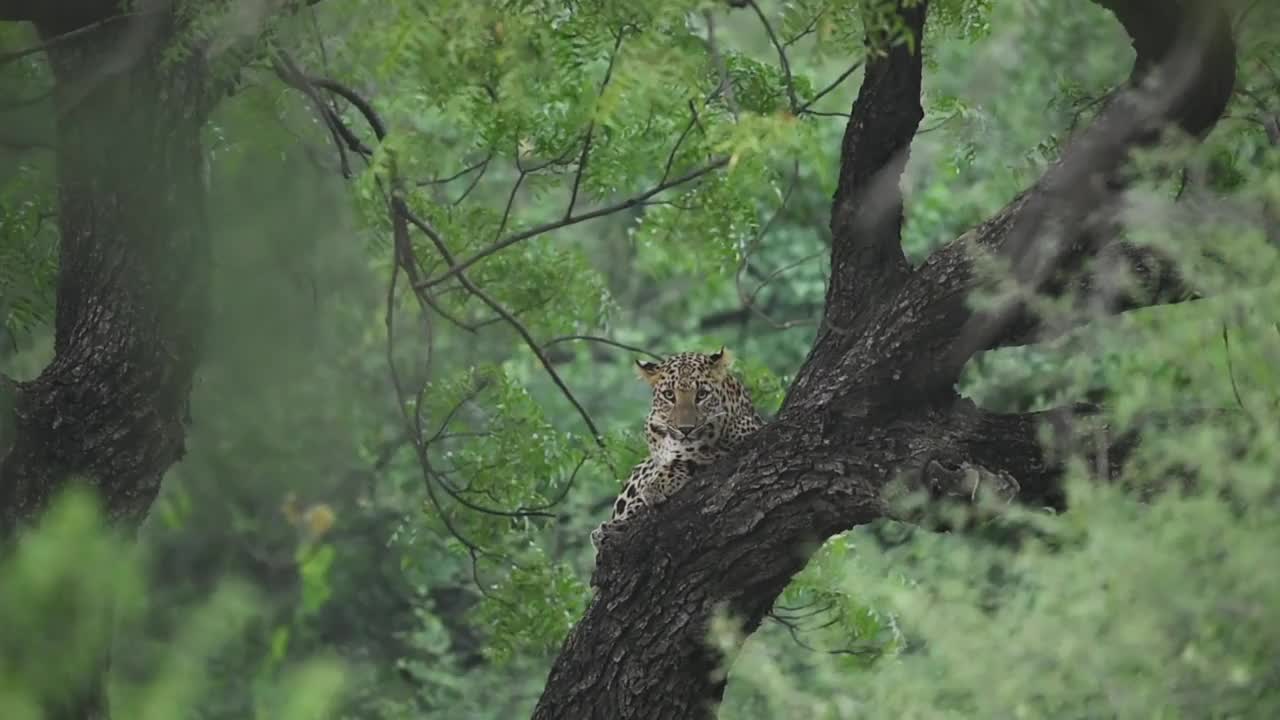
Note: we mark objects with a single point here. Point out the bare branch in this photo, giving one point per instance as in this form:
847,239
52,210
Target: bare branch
764,229
511,199
591,127
671,157
460,173
603,341
506,315
54,41
359,102
827,90
807,30
566,222
472,185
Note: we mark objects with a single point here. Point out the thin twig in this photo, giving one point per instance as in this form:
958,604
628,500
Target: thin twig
566,222
782,57
497,307
591,127
564,491
472,186
1231,373
808,29
826,90
56,40
726,84
774,274
358,101
511,201
602,341
764,229
671,157
455,176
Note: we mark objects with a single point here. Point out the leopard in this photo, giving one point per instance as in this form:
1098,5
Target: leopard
698,413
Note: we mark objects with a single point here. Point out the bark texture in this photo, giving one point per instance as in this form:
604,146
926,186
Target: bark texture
873,411
109,410
131,296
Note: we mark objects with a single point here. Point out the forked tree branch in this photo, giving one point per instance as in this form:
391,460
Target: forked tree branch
544,228
866,217
1182,77
873,409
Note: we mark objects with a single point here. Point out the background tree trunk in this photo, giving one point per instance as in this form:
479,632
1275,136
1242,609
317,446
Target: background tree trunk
131,299
109,410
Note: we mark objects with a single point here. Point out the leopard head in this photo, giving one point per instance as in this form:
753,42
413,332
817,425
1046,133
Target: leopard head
692,400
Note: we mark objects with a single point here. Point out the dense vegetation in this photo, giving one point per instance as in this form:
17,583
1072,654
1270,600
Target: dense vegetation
363,283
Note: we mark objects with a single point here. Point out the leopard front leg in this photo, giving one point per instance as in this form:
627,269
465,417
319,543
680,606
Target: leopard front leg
630,501
666,481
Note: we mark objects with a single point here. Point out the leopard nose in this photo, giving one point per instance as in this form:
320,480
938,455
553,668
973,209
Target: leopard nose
685,429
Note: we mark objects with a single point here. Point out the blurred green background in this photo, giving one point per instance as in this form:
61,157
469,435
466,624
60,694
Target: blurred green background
301,562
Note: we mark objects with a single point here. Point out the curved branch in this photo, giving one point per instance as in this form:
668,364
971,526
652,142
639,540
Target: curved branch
827,90
585,157
867,262
1182,76
732,541
504,313
862,419
603,341
782,56
566,222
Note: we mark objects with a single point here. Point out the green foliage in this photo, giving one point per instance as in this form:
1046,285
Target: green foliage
28,255
540,604
445,573
72,582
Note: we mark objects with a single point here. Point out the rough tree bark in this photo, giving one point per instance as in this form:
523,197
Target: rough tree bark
131,293
875,399
109,408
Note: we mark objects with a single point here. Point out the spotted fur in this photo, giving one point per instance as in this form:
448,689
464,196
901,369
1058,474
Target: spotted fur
699,412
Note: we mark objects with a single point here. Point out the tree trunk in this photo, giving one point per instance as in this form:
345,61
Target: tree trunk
133,275
109,410
873,411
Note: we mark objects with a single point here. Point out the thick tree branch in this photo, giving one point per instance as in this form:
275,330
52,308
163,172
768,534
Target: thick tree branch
1122,277
733,540
1182,76
866,215
864,420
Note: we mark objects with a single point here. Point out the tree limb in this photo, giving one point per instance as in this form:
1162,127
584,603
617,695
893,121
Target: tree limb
1070,213
866,215
865,419
734,540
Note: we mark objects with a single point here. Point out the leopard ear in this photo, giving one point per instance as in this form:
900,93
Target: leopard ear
648,371
721,361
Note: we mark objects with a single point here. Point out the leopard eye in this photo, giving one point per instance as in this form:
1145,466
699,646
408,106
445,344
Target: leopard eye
669,394
703,391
